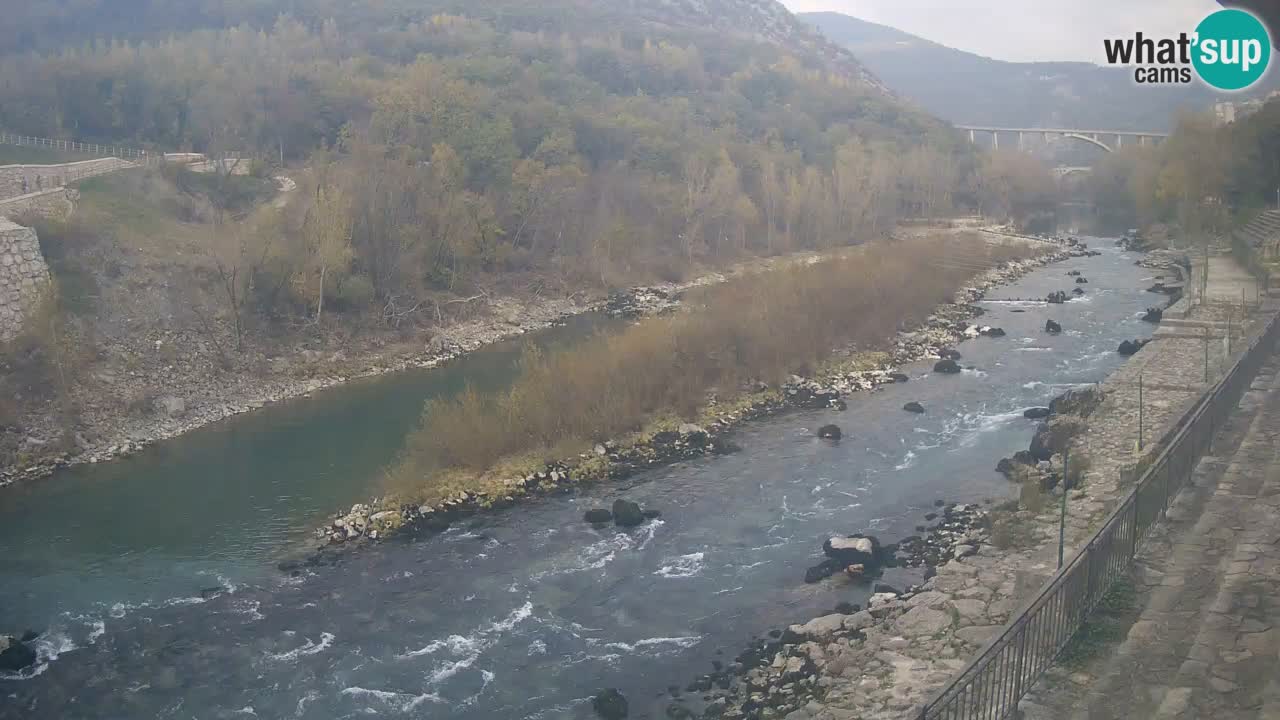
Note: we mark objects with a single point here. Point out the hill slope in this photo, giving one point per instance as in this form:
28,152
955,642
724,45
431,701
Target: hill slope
973,90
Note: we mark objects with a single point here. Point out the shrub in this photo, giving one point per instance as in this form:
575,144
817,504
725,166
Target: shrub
758,326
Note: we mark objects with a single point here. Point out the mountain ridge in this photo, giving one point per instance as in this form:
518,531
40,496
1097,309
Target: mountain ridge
970,89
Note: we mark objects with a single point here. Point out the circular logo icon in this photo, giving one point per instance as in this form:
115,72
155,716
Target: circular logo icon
1232,49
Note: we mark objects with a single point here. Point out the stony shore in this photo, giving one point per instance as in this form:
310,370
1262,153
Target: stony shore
886,660
849,372
197,394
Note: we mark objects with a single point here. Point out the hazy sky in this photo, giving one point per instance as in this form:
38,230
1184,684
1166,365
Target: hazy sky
1024,29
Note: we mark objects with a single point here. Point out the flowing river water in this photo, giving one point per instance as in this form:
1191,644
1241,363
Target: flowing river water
523,613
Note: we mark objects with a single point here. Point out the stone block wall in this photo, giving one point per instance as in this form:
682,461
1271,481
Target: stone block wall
23,276
18,180
55,203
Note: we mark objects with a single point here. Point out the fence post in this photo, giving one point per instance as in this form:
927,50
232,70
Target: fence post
1140,412
1062,513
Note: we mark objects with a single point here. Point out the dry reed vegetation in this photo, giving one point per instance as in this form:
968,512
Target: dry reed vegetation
760,326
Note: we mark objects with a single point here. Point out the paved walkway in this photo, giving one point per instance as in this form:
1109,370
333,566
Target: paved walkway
1205,633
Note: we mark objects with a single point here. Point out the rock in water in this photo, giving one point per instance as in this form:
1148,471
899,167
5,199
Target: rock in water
1036,413
1077,401
1052,327
1081,281
1077,291
1056,298
864,550
15,655
1153,315
946,366
598,515
627,513
829,432
949,354
610,704
993,332
913,407
1130,347
899,377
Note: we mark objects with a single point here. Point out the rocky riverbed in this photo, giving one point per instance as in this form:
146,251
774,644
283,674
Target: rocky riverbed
949,324
883,661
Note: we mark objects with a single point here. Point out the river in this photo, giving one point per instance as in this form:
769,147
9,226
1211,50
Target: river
523,613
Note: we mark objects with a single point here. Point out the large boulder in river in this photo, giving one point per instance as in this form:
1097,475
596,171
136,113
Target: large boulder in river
864,550
946,366
829,432
610,704
1077,401
1153,315
15,655
1054,435
1052,327
913,407
1082,281
627,513
1130,347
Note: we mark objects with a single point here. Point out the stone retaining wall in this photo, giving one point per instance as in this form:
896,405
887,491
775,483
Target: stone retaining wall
16,180
55,203
23,276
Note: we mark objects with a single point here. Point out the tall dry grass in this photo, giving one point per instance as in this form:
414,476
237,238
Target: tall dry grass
760,326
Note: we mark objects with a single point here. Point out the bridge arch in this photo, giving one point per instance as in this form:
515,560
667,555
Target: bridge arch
1088,139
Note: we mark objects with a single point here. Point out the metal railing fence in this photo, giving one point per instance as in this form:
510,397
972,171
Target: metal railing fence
996,678
101,150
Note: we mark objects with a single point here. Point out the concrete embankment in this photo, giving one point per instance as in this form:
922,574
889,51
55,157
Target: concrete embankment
886,661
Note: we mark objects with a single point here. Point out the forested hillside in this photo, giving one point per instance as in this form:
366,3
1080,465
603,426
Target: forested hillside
448,139
969,89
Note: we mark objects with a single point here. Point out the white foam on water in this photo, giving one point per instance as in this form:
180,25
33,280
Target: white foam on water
683,566
48,647
594,556
515,618
650,530
907,461
402,702
311,648
1033,349
305,700
446,670
726,591
246,710
656,645
537,647
99,627
558,711
467,649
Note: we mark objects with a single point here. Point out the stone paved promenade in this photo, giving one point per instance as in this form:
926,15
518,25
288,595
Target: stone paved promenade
1204,638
